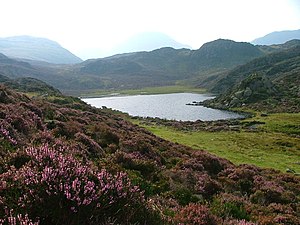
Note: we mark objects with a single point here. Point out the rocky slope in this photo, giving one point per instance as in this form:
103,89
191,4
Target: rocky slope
270,83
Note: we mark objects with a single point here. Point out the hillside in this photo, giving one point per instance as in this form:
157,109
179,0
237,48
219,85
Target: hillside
38,49
49,73
28,84
271,82
166,66
64,162
278,37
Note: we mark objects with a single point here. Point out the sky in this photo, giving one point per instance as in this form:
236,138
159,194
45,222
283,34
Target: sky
79,25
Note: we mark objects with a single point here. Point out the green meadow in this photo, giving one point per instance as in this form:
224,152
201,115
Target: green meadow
275,144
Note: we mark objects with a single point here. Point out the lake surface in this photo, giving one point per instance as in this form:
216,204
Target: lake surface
165,106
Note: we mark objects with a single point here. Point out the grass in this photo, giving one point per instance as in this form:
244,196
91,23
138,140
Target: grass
146,90
274,144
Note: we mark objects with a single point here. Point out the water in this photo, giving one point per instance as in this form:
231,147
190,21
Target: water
164,106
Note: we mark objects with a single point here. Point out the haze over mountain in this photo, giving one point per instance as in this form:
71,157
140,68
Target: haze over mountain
38,49
277,37
146,41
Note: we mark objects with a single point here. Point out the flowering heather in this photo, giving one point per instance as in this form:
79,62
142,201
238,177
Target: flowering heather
19,219
195,214
6,136
54,179
238,222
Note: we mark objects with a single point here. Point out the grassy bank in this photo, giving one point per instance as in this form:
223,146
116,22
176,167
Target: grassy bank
275,144
146,91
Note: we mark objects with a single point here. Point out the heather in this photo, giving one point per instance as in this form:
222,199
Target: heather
64,162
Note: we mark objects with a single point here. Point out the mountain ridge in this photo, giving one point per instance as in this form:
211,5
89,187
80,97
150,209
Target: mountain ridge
168,64
203,67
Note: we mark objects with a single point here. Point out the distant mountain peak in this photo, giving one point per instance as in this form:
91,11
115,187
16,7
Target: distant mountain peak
145,41
36,48
148,41
277,37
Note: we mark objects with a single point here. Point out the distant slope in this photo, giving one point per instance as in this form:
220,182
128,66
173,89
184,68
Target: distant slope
49,73
39,49
271,82
278,37
279,47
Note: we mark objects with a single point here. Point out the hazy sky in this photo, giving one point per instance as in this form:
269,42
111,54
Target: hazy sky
81,24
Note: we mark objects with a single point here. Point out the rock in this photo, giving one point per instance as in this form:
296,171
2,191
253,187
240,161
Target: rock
239,94
235,102
247,92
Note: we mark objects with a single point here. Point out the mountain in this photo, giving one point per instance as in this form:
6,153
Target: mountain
271,82
38,49
165,66
69,163
146,41
277,37
224,54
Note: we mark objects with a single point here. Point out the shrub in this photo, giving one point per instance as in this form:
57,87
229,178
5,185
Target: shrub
238,222
184,196
229,206
196,214
267,191
206,186
90,145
